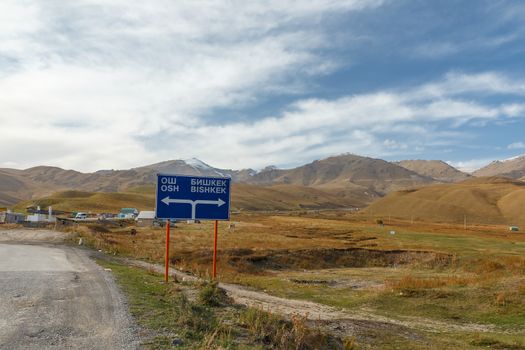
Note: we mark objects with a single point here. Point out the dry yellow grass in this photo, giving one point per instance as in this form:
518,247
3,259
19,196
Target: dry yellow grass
244,197
487,200
260,235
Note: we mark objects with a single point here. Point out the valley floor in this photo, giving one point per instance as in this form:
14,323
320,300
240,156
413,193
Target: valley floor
400,285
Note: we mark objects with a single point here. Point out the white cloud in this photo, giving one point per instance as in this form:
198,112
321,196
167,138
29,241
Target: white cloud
393,144
516,145
514,109
471,165
91,79
353,123
94,85
456,83
308,129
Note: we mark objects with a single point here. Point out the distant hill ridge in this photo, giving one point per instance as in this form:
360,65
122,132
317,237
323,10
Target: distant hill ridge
354,178
436,169
513,168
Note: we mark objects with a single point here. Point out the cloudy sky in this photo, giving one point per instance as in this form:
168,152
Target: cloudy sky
92,84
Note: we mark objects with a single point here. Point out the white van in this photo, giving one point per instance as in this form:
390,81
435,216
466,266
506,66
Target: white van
81,216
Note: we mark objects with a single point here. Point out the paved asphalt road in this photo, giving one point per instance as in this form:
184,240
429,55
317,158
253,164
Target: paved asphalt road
54,296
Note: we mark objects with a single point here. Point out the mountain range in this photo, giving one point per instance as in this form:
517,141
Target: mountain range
354,180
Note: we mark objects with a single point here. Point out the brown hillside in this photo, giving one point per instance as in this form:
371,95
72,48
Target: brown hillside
15,187
513,205
36,182
349,171
244,197
96,202
513,168
482,200
289,197
435,169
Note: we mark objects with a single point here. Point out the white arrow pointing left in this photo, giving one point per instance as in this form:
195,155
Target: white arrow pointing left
167,201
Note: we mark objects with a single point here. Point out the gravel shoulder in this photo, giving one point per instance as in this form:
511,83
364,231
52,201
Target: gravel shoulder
32,236
53,296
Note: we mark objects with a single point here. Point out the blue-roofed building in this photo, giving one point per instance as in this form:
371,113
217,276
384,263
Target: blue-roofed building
128,213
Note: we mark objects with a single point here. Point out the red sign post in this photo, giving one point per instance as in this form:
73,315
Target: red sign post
167,260
216,229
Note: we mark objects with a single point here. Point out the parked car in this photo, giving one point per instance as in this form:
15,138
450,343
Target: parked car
81,216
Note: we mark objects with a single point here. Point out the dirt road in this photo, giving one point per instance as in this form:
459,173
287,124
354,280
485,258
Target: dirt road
53,296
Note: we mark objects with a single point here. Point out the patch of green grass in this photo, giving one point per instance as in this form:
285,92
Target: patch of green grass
497,341
211,295
167,314
210,322
463,244
278,286
449,296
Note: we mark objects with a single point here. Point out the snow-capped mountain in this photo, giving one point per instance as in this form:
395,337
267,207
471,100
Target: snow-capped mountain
511,167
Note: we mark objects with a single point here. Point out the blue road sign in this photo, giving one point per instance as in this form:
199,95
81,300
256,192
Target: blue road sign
192,197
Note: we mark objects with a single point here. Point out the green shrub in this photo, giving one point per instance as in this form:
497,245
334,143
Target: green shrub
277,333
212,295
97,228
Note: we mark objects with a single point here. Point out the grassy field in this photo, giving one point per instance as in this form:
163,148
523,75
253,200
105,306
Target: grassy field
449,287
187,315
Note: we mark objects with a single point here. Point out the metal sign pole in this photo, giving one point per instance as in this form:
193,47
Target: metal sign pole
216,229
167,260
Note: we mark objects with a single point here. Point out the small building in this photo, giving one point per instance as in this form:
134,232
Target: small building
146,218
128,213
8,217
40,216
37,218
